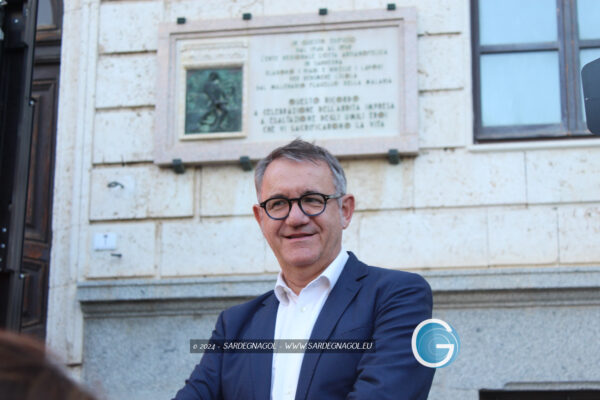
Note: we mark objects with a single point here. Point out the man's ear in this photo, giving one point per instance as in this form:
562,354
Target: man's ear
257,214
347,210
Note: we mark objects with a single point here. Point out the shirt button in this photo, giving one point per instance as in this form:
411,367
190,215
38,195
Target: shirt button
303,309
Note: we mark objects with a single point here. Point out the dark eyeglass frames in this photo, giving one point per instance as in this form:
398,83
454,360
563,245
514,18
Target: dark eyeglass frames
311,204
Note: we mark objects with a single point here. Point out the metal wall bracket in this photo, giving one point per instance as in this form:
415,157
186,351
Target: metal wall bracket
245,163
178,166
393,156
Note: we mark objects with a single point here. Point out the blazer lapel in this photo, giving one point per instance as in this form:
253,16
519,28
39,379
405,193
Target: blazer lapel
263,327
345,289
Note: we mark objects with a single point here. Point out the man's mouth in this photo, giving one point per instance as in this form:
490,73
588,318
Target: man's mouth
299,235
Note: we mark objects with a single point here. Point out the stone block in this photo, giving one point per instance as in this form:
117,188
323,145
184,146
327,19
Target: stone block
442,119
142,357
64,328
126,80
211,9
405,240
523,236
433,16
442,63
376,184
171,194
133,255
459,178
579,234
279,7
226,190
129,26
516,339
62,253
565,175
140,192
212,246
118,193
123,136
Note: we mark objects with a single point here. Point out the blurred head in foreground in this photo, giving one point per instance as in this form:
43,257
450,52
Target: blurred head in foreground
27,373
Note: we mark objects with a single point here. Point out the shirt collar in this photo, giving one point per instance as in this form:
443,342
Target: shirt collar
330,275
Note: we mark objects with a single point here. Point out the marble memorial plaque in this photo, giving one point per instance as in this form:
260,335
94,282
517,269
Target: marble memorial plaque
240,88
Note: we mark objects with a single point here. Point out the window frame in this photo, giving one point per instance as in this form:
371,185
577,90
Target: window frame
572,124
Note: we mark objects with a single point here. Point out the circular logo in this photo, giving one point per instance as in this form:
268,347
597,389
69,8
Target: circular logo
434,343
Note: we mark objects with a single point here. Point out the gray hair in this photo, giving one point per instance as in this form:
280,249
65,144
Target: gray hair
300,150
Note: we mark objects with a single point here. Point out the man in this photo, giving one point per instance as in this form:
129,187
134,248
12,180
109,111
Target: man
217,107
322,293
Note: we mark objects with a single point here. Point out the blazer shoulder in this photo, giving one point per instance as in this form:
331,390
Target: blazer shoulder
393,275
386,276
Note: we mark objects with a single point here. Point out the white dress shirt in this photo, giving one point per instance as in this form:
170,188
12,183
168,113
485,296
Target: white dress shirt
296,316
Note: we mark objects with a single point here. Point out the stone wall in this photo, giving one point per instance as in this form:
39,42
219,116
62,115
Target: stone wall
455,207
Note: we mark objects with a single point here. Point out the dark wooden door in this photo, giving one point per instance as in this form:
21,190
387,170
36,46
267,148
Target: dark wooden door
36,248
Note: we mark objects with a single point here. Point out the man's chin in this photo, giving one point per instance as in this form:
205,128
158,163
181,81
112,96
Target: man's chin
301,259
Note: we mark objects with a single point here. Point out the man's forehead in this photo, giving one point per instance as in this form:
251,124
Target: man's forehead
304,175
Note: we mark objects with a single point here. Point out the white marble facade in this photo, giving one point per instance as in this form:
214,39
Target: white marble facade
455,205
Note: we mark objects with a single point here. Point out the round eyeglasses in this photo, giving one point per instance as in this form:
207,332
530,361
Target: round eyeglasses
311,204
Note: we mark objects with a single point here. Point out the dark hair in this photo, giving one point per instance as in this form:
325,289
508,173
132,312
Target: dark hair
300,150
27,373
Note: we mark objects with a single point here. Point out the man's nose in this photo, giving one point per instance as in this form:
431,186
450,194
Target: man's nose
296,215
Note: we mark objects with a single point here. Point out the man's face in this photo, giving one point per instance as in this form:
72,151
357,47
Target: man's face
300,241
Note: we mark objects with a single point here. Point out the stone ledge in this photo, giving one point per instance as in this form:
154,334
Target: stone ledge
513,278
452,289
174,289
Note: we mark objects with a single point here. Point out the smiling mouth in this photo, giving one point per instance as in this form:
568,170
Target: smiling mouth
298,236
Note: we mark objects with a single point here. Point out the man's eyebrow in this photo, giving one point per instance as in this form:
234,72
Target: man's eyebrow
276,195
310,192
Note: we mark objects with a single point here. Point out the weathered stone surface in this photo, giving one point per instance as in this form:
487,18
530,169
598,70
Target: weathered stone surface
64,328
433,16
140,192
579,234
523,236
460,178
133,255
126,80
376,184
211,9
278,7
424,239
566,175
442,63
123,136
156,348
226,190
128,26
443,119
212,246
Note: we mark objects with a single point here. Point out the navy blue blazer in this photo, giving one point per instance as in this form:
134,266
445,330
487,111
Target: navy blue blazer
366,302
